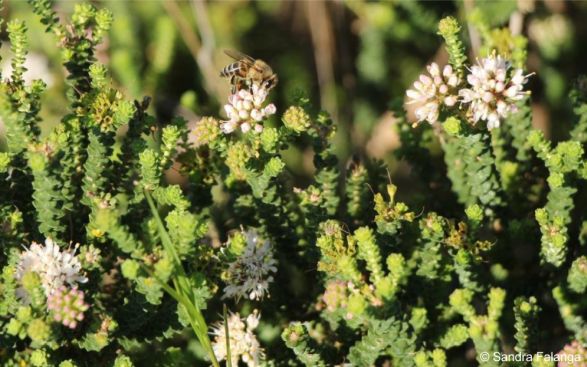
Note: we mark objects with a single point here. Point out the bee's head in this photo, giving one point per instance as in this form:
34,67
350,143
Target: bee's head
271,81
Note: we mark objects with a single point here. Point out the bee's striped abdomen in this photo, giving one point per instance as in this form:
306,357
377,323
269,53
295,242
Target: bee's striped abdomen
231,69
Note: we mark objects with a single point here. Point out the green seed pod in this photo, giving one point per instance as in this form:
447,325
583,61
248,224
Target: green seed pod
578,275
296,119
38,331
206,130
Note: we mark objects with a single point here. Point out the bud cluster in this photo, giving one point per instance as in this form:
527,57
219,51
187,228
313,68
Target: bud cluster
68,306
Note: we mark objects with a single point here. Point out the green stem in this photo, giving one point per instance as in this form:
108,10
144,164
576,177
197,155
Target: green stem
228,356
182,291
181,299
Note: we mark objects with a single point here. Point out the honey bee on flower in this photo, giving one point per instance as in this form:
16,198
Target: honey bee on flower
247,71
251,82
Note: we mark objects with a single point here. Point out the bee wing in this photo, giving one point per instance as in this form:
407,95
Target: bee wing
237,55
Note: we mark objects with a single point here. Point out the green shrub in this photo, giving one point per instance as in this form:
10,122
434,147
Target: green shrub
120,267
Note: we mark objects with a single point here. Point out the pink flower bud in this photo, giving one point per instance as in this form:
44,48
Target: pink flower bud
425,79
245,127
242,114
270,109
447,71
257,115
450,101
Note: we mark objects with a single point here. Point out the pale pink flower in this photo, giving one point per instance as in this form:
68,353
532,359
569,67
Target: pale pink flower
431,92
245,109
494,90
250,274
68,306
243,342
54,267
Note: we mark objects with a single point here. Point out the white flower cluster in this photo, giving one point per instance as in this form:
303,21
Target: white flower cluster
250,274
432,91
54,268
243,342
245,109
492,93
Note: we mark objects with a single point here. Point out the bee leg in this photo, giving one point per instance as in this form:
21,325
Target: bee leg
250,83
239,84
233,82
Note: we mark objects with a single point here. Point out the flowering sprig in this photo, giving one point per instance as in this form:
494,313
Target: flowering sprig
54,267
250,274
245,110
492,93
243,342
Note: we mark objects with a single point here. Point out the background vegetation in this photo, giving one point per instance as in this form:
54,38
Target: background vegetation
353,59
356,58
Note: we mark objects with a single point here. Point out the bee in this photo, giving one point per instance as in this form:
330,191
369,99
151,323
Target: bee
246,71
